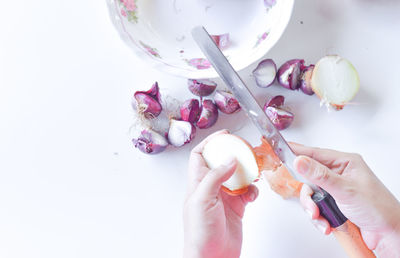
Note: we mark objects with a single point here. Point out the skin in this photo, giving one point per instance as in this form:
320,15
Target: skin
359,194
212,218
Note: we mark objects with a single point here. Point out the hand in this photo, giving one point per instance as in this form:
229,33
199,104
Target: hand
212,218
359,194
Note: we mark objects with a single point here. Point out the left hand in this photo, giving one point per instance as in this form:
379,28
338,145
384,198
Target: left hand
212,218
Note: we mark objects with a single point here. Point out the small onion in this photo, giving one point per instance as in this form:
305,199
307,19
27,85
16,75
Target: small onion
201,88
180,132
289,74
282,119
265,73
190,110
209,114
305,80
148,102
150,142
226,102
222,40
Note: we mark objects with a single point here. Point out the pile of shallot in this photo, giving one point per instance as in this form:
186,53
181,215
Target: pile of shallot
333,79
198,112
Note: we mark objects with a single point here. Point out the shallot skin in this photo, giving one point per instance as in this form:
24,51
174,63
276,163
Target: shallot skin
226,102
209,114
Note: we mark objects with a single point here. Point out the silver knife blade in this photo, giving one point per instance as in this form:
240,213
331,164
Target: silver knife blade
246,100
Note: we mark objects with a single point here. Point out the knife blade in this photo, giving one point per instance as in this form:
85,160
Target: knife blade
345,231
247,101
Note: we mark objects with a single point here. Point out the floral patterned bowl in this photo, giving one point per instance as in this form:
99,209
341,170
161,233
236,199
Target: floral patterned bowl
159,30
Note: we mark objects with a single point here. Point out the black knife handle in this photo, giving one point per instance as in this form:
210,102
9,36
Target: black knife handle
328,208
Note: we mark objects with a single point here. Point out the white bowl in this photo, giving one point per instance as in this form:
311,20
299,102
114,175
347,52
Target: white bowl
159,30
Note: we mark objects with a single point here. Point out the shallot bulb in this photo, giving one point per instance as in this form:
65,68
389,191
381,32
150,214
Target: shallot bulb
305,80
180,132
226,102
150,142
265,73
289,74
209,114
280,117
148,102
190,110
201,88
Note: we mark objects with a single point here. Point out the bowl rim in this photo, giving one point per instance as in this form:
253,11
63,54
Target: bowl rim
261,51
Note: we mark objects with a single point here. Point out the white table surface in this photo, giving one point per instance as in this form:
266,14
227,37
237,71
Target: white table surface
71,183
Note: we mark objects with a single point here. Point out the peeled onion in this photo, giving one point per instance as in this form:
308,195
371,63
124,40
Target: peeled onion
224,147
335,81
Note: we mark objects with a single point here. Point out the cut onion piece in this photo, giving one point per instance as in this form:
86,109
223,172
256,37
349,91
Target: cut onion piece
227,146
289,74
265,73
335,81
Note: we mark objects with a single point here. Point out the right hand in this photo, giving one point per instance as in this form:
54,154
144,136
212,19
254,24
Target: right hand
359,194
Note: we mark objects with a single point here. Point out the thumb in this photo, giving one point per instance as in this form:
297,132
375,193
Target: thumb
318,174
210,185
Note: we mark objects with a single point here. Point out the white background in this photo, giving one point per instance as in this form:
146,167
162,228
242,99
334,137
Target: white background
71,183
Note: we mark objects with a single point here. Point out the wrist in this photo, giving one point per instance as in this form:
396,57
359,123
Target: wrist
389,246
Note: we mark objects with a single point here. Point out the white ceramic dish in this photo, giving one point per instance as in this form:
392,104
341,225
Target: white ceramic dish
159,30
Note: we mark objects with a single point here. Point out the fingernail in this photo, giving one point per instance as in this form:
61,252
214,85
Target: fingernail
303,165
309,213
321,227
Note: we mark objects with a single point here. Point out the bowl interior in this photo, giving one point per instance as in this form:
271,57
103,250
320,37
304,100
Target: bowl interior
160,30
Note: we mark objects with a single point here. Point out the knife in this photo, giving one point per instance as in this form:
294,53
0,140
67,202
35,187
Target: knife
345,231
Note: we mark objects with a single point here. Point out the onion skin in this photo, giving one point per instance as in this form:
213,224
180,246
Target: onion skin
190,111
226,102
148,102
180,132
305,80
289,74
282,119
265,73
150,142
209,114
201,88
276,101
